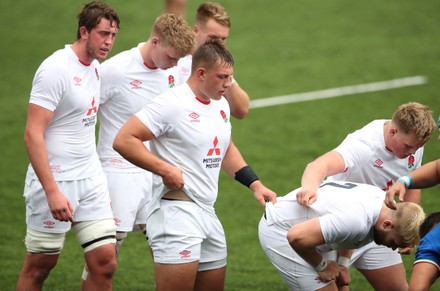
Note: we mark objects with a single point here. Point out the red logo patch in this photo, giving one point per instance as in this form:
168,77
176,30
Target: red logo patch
77,81
136,84
185,254
48,224
214,149
93,108
378,163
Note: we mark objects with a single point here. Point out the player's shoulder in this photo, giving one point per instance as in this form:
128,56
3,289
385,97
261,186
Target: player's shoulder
118,62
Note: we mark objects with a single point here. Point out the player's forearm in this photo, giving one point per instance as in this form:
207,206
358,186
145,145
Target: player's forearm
313,175
426,176
133,150
39,160
304,238
233,160
413,195
300,245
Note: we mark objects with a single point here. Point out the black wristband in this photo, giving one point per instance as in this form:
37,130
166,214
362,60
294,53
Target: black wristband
246,176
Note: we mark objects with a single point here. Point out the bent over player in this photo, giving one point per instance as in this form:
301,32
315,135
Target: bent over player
346,216
377,154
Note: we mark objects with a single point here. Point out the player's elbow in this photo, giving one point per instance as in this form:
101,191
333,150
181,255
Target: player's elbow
240,113
293,238
119,144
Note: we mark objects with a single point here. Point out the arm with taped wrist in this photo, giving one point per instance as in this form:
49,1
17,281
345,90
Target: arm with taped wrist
246,176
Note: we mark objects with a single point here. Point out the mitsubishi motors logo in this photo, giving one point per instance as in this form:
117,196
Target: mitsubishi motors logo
215,149
90,120
93,108
211,162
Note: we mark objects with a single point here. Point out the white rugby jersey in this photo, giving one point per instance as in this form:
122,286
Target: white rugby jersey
183,69
347,212
127,86
71,90
367,160
192,135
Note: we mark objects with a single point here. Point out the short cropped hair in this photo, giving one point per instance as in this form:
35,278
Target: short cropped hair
408,217
174,31
215,11
415,118
210,54
92,13
430,221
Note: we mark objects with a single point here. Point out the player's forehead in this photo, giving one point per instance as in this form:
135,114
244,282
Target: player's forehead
105,24
172,52
215,29
409,139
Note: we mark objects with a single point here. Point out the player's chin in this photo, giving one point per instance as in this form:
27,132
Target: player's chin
218,97
102,55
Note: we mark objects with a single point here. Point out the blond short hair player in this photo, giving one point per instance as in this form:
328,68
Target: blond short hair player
346,216
377,154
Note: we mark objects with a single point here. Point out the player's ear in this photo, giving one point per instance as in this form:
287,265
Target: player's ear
387,224
155,40
393,131
83,32
200,73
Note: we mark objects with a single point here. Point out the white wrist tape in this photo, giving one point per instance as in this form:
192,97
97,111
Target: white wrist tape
321,266
343,261
406,181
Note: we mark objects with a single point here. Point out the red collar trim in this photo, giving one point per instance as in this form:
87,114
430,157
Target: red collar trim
388,149
145,64
203,101
84,63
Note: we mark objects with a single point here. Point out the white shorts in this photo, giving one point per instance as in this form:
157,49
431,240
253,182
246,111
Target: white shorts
373,256
182,232
129,195
296,273
88,197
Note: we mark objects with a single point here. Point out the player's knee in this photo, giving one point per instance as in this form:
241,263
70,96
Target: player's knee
94,234
38,242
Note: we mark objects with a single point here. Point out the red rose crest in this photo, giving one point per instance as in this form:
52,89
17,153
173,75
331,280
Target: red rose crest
171,81
411,162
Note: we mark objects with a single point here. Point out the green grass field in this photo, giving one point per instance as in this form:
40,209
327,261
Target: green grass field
280,47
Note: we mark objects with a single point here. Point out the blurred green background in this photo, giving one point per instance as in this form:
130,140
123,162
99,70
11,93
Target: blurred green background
280,47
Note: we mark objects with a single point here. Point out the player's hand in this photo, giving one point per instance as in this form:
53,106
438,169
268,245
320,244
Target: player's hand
263,194
173,178
344,278
306,197
331,272
60,207
397,189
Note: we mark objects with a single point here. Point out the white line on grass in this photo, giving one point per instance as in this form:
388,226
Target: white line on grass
341,91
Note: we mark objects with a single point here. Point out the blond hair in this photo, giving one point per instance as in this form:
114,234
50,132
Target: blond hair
415,118
408,217
174,31
211,10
